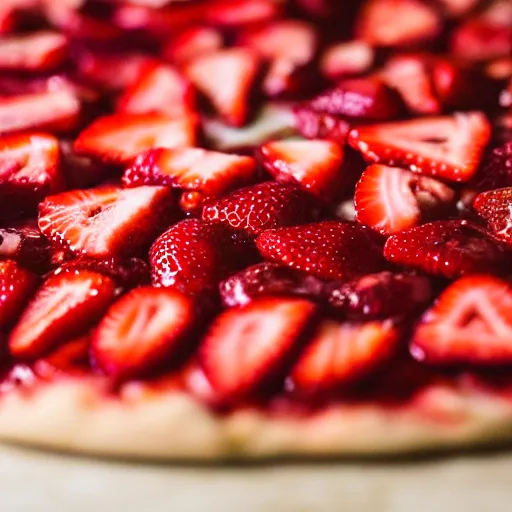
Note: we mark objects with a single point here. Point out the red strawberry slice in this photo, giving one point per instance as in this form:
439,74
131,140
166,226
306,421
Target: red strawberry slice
266,205
248,348
210,172
471,323
38,51
65,306
57,110
390,199
316,125
142,331
446,248
328,249
25,244
495,207
104,221
159,88
226,78
346,58
342,353
239,13
29,170
458,8
360,98
16,287
119,138
268,279
397,22
193,42
448,147
191,256
314,164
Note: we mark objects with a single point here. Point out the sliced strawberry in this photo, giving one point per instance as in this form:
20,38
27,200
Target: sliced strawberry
446,248
314,164
159,88
142,331
390,199
64,307
209,172
496,171
495,207
238,13
38,51
342,353
121,137
471,323
29,170
448,147
258,207
378,296
105,221
346,58
16,287
457,8
248,348
25,244
226,78
193,42
191,256
52,110
499,69
328,249
360,98
316,125
397,22
268,279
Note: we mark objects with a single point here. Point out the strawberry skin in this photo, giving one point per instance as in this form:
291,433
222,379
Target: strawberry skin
248,348
119,138
446,248
105,221
259,207
390,199
448,147
142,331
16,287
471,323
64,307
496,171
26,245
313,164
342,353
328,249
495,207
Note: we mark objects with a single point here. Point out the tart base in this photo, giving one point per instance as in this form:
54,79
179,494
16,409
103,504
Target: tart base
141,423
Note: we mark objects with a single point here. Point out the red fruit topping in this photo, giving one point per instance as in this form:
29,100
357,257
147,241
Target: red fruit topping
248,348
315,125
121,137
142,331
39,51
471,323
191,256
340,354
159,88
329,249
268,279
25,244
66,359
193,42
227,78
390,199
314,164
397,22
210,172
64,307
238,13
495,206
104,221
259,207
448,147
347,58
359,98
16,287
382,295
446,248
457,8
496,171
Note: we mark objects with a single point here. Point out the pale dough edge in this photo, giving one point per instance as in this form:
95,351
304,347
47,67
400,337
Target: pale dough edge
76,416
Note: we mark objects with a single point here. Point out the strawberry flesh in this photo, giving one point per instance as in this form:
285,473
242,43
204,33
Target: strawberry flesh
495,207
193,42
26,245
496,170
316,125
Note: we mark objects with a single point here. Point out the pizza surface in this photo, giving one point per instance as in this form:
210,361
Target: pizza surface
255,229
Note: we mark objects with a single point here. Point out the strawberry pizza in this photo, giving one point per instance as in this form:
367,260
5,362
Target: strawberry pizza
235,229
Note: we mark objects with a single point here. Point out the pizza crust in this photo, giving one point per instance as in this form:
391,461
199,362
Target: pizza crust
142,423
